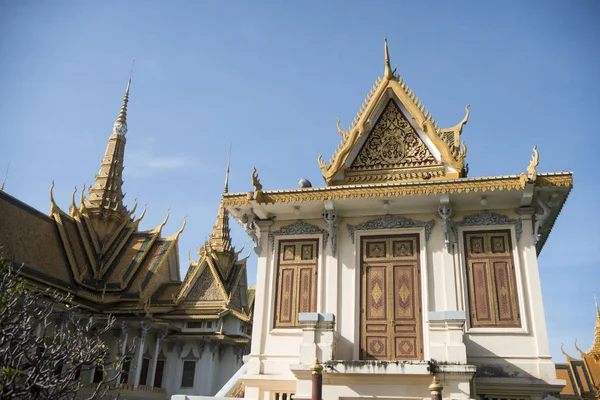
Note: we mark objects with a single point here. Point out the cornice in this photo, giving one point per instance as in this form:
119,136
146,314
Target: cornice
449,186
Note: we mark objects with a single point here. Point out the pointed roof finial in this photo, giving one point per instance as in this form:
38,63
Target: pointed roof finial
226,187
120,125
388,69
5,175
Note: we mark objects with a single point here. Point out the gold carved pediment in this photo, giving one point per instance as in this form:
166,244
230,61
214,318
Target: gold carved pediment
393,151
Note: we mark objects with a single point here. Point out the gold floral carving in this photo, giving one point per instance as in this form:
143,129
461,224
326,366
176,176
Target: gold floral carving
407,189
393,143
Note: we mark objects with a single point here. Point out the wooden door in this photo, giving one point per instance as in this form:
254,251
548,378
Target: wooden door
391,321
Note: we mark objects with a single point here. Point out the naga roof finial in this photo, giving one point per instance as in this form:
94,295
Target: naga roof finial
388,74
255,181
535,160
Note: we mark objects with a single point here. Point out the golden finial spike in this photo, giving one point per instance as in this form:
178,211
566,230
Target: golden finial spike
120,125
388,69
226,187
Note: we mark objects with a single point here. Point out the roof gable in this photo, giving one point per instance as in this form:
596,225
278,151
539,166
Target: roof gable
393,149
205,288
412,120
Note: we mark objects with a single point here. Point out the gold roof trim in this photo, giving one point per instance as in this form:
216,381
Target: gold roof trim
449,186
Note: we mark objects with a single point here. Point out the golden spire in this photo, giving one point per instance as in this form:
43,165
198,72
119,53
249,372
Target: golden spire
105,196
388,74
226,187
220,238
595,349
120,125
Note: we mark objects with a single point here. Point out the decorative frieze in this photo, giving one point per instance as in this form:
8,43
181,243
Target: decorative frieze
298,228
486,219
391,222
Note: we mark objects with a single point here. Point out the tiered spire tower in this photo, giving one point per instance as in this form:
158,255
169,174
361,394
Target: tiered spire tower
105,197
220,238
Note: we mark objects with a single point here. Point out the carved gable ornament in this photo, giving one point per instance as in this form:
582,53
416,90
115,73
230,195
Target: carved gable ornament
298,228
391,222
486,219
393,151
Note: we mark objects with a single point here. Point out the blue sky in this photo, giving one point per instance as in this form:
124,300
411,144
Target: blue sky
272,77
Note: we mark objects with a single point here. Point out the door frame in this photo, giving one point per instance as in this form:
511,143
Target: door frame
424,268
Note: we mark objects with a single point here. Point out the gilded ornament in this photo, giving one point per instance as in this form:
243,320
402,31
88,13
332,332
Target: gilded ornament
298,228
257,195
393,143
486,219
391,222
531,175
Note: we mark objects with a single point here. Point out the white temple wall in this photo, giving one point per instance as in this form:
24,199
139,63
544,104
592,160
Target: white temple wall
444,288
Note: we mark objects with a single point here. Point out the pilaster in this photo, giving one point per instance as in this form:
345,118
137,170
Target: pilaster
330,268
260,302
144,328
318,337
446,333
445,211
532,288
158,338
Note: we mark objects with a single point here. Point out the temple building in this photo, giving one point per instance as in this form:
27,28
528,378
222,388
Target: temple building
190,334
401,268
582,375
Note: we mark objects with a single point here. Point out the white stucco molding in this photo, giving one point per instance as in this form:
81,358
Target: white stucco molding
298,228
435,316
391,222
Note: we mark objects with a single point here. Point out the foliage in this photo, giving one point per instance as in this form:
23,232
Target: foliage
47,343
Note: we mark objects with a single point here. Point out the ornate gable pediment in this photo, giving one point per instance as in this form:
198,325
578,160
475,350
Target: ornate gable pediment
395,138
393,150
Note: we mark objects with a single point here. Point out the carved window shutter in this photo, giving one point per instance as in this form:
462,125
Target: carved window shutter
491,279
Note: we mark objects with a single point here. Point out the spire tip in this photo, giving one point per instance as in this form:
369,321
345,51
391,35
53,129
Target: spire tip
388,69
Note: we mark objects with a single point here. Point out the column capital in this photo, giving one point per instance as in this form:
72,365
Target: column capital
525,212
263,224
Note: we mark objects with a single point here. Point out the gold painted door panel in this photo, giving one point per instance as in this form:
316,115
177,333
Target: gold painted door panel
391,327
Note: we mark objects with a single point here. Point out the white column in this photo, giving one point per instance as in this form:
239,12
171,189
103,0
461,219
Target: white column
260,302
159,337
138,369
214,367
124,337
